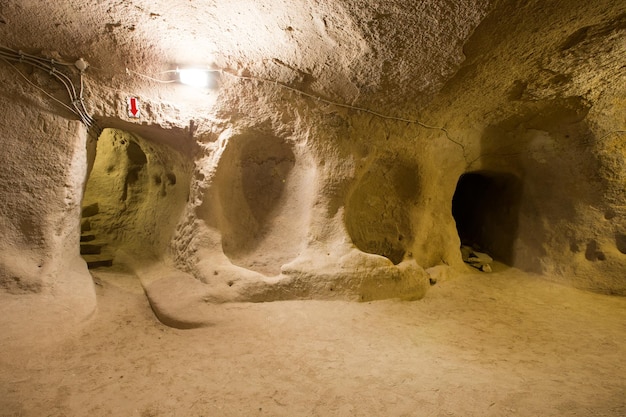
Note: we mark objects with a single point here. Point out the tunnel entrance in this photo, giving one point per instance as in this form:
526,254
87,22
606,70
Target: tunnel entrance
133,197
486,208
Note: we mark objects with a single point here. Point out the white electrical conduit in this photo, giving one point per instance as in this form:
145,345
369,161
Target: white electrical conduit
48,65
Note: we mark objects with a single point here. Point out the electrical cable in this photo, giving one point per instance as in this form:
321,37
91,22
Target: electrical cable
348,106
48,65
39,88
82,86
316,98
53,61
129,71
78,106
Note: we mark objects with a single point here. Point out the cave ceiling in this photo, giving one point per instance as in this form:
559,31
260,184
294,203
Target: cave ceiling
394,55
383,53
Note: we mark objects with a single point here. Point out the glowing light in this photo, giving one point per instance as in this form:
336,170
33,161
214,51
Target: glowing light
194,77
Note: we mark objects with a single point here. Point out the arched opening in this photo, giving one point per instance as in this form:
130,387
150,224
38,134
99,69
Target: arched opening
486,208
378,211
263,193
133,197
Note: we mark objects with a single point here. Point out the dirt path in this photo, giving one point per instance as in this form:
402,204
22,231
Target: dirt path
501,344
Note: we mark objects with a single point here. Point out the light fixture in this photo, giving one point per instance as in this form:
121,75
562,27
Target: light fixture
194,77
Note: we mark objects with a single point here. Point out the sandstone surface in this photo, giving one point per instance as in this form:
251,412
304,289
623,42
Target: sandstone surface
344,151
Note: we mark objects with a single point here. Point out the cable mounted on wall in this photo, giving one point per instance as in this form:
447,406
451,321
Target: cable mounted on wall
51,66
350,107
202,74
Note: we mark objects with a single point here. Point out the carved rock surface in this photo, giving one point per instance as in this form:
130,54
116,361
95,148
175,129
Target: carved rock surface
343,149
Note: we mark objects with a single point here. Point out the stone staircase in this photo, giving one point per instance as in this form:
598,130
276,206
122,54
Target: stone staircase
93,251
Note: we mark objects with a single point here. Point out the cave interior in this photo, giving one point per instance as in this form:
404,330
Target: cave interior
339,151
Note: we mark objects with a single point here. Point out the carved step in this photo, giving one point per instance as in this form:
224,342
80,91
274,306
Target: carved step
85,226
91,210
95,261
87,238
96,254
90,249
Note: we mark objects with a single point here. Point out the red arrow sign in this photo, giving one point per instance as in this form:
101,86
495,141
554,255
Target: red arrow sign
133,107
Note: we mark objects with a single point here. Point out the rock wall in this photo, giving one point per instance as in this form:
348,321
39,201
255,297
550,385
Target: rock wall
287,181
544,104
268,213
44,166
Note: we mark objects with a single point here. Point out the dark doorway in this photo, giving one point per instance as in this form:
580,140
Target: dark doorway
133,199
486,207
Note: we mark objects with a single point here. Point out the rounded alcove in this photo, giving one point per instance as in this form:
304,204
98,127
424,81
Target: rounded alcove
378,211
263,191
486,207
133,197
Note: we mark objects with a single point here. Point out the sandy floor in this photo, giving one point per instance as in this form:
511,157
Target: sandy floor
500,344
